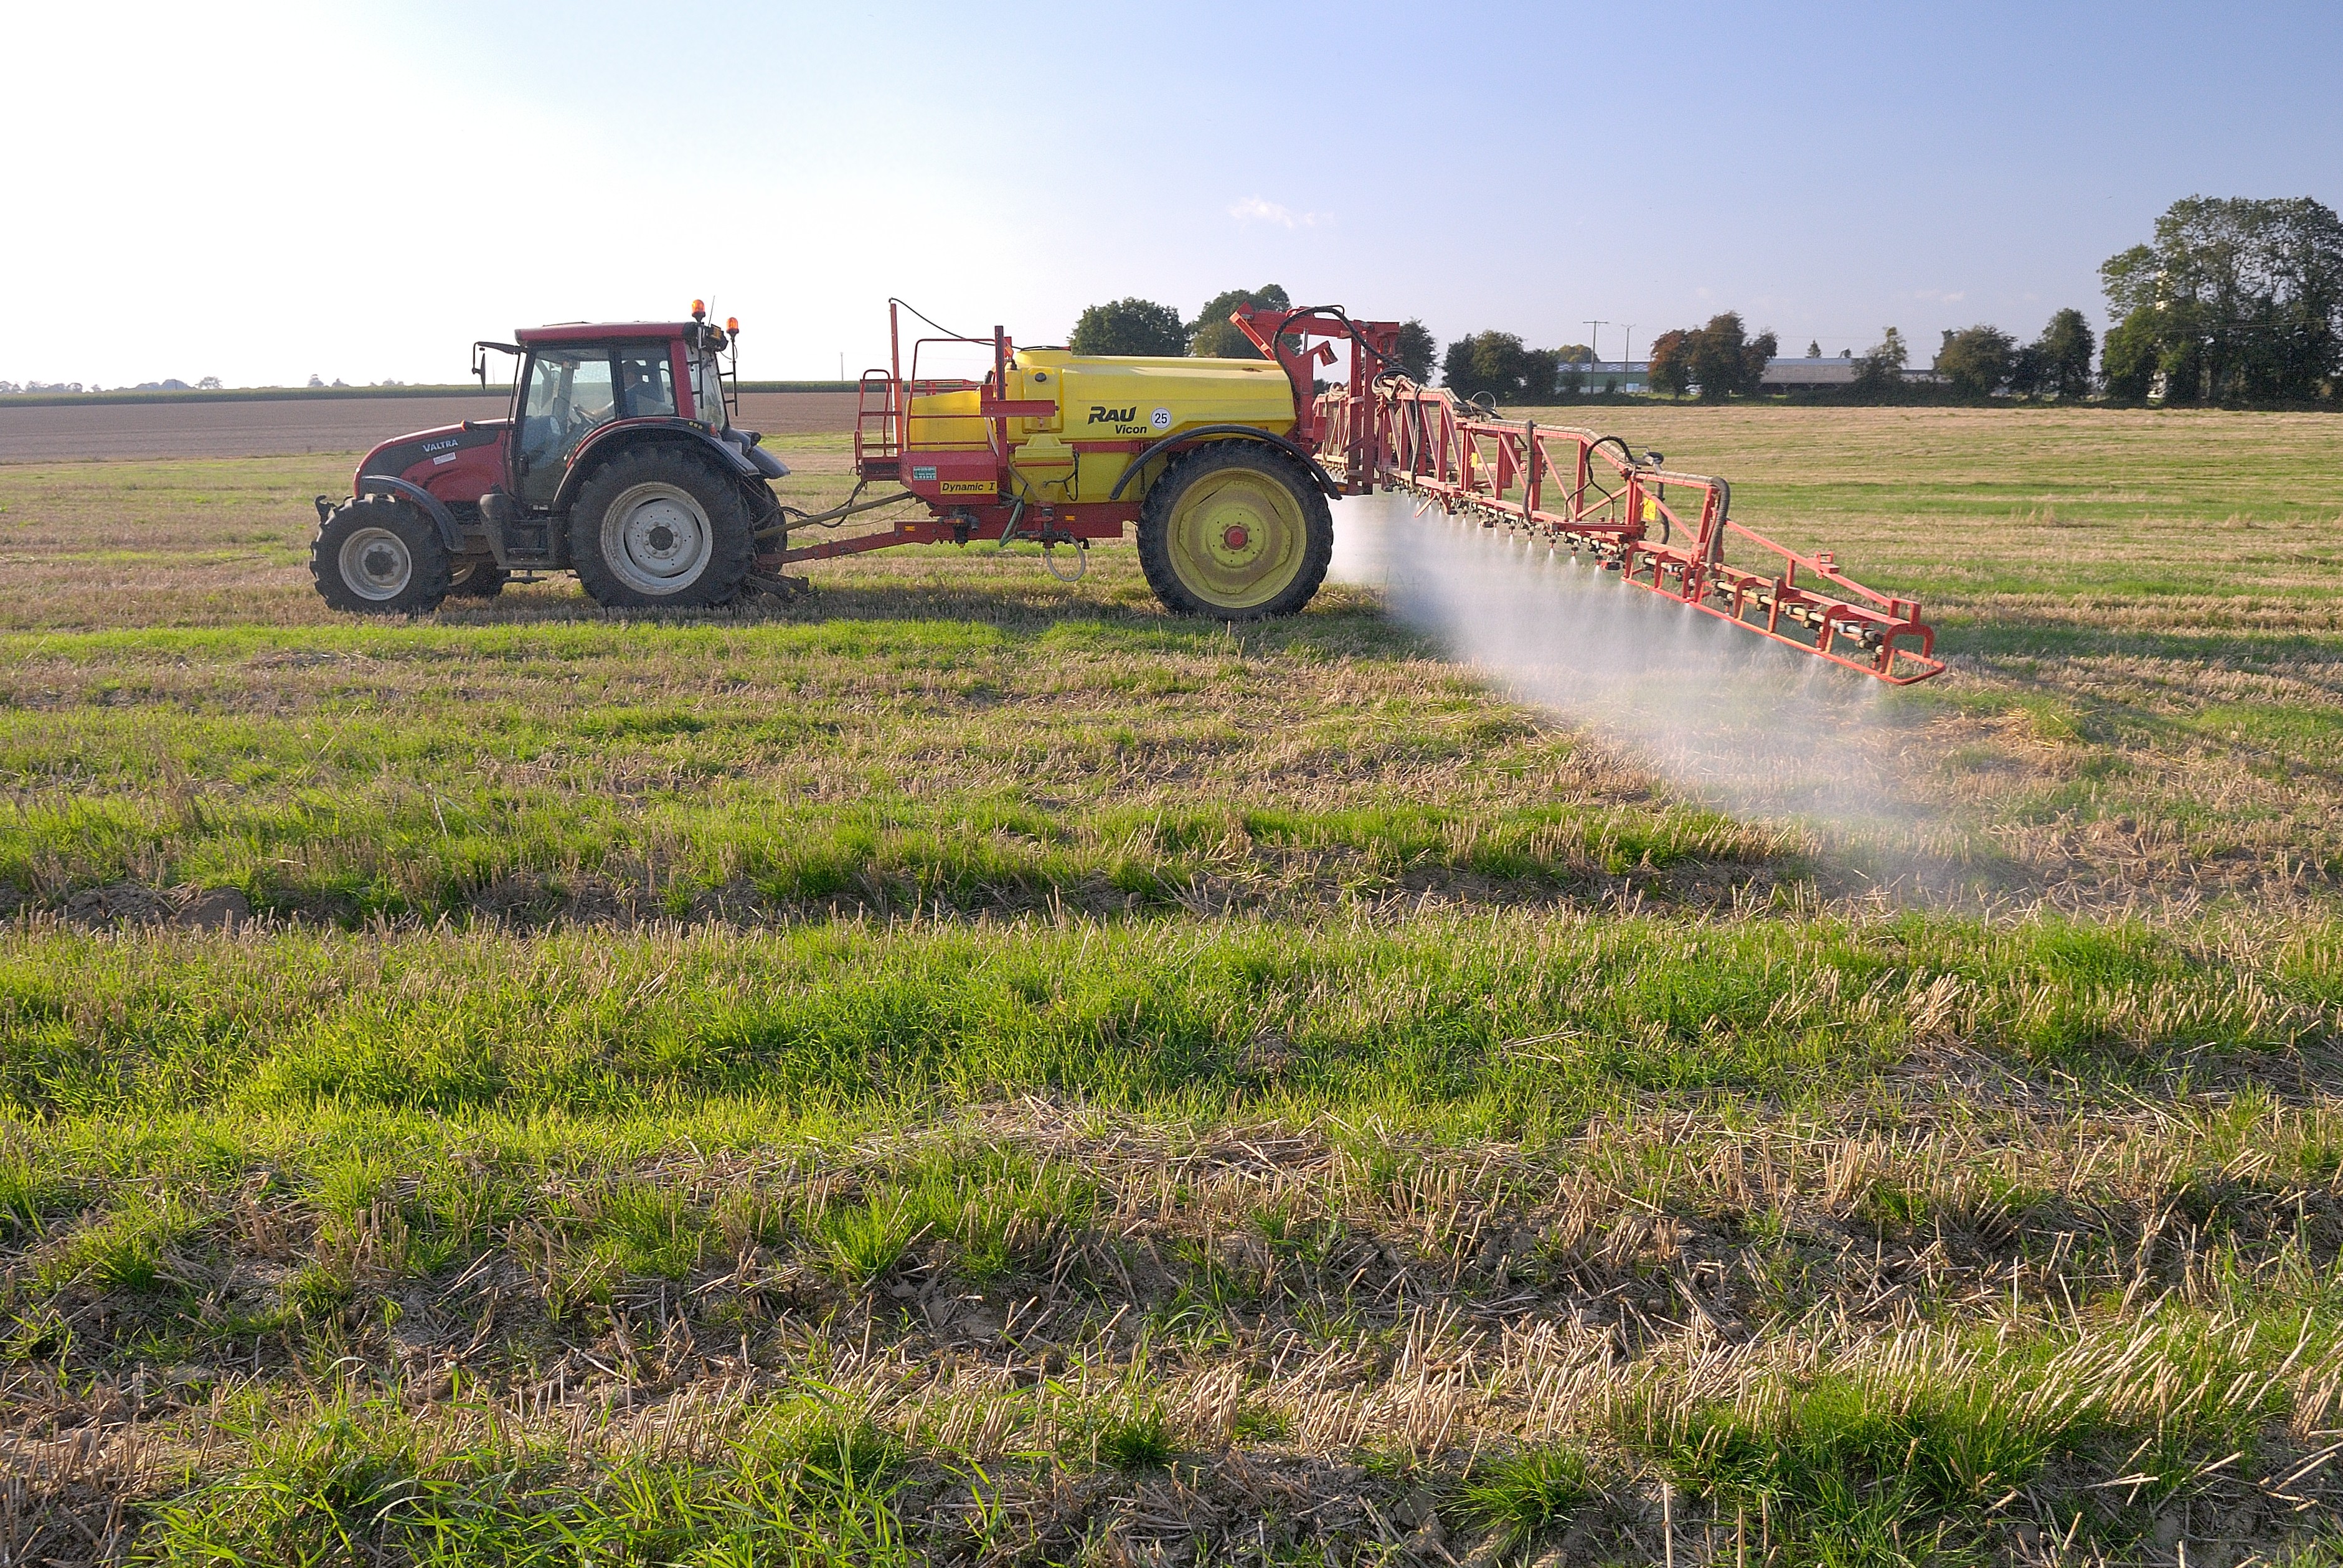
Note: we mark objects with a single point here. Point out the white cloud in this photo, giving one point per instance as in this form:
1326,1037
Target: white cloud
1938,296
1252,209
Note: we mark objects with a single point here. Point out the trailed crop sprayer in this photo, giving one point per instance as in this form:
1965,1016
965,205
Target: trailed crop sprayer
621,461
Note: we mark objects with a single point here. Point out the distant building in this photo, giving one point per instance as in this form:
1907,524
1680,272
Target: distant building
1809,373
1606,376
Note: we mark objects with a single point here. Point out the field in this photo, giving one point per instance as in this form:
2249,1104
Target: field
236,427
968,1069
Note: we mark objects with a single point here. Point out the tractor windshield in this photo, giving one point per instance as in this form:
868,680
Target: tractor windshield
707,390
570,394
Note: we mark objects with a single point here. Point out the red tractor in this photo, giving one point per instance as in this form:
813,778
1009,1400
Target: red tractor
617,461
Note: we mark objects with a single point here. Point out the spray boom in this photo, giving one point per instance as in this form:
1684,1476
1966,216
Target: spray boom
1664,531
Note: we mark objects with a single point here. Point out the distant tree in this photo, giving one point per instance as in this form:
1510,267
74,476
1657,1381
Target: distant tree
1881,371
316,380
1716,352
1497,364
1669,368
1755,354
1540,373
1724,360
2029,372
1813,350
1977,359
209,384
2129,358
1415,353
1130,326
2065,347
1212,336
2242,298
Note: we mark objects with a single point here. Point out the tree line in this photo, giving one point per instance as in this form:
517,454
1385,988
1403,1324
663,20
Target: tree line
1143,327
2235,300
1497,364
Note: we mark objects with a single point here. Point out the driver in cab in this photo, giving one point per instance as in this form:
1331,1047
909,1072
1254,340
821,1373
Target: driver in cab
647,391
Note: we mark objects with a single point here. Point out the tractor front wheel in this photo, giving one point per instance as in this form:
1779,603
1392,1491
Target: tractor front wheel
660,528
376,556
1236,531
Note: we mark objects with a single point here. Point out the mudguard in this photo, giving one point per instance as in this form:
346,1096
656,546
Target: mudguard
451,532
1325,480
625,432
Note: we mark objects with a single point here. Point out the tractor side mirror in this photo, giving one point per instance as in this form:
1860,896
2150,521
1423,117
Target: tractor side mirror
481,358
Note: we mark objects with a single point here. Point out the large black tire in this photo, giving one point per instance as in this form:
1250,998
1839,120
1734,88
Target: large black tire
376,556
1235,530
477,578
661,528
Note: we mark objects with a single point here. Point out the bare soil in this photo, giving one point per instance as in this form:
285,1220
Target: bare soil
299,425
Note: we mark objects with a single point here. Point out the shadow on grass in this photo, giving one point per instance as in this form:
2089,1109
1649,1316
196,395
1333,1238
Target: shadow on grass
1342,623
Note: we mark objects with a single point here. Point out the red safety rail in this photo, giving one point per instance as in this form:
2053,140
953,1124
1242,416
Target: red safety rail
1587,492
953,459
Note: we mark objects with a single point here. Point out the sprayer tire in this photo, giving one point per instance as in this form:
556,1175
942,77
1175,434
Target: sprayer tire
1234,530
378,556
661,529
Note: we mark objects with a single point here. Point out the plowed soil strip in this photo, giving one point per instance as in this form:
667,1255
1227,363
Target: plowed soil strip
274,428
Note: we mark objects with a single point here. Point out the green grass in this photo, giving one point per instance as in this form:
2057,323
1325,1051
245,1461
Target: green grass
1528,1491
969,1069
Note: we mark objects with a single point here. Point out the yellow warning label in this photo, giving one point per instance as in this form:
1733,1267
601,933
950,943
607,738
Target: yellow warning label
971,488
1651,508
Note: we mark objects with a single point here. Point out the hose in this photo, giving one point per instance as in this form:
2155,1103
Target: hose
931,320
1355,336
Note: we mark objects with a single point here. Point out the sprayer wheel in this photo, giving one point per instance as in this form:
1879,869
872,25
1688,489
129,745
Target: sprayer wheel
1236,531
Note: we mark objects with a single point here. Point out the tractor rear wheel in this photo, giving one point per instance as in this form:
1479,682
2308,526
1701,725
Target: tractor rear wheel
1236,531
376,556
661,529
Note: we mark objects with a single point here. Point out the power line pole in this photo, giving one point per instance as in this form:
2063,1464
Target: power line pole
1596,346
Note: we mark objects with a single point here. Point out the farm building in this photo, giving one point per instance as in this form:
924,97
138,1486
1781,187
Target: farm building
1810,374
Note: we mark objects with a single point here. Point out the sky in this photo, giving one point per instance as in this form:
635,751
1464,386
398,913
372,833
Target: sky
261,192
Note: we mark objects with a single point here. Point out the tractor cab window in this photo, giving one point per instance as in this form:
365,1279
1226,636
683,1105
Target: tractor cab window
708,391
646,382
570,394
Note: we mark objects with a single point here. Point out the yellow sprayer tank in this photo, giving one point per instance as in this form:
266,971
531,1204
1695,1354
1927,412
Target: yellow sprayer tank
1070,447
1109,408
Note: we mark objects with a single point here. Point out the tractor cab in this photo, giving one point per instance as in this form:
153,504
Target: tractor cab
619,461
569,388
575,380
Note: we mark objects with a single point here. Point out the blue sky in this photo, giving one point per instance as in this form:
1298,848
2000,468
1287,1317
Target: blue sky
261,192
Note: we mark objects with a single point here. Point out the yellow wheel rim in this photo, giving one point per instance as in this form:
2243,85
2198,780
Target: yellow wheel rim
1237,538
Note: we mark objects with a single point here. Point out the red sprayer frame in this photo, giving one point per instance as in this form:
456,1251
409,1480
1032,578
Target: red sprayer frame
1584,491
1379,430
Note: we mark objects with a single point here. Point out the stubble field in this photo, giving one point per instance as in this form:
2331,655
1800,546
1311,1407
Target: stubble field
969,1069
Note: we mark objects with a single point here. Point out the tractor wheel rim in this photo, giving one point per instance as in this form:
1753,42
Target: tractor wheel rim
656,539
1238,539
376,564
